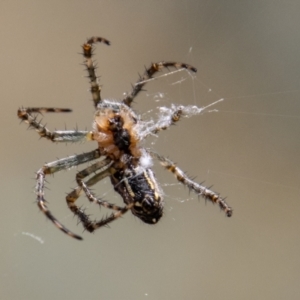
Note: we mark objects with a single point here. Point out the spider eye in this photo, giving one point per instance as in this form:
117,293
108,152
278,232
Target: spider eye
116,123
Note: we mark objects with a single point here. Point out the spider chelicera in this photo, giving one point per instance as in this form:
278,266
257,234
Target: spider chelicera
118,130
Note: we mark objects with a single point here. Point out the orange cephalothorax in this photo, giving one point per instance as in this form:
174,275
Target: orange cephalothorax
115,129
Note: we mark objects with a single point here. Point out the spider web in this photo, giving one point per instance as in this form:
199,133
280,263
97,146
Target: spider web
246,146
252,71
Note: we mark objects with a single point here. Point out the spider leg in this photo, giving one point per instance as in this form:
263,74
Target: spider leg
120,211
149,73
104,169
90,67
196,187
25,114
51,168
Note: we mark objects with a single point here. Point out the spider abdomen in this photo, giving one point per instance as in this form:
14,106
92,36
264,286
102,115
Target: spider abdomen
139,186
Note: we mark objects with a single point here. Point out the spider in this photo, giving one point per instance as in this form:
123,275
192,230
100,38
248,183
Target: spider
118,130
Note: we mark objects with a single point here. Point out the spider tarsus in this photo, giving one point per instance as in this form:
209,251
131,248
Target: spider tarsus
229,213
97,39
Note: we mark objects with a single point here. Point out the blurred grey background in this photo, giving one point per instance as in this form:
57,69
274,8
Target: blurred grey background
246,52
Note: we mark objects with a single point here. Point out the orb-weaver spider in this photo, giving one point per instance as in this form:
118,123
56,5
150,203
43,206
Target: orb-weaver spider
118,130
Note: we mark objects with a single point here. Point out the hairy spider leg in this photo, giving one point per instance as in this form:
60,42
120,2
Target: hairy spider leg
149,73
199,189
120,211
91,68
53,167
25,114
103,169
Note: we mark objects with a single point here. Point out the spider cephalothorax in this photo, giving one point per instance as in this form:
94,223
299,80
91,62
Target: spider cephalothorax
118,130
